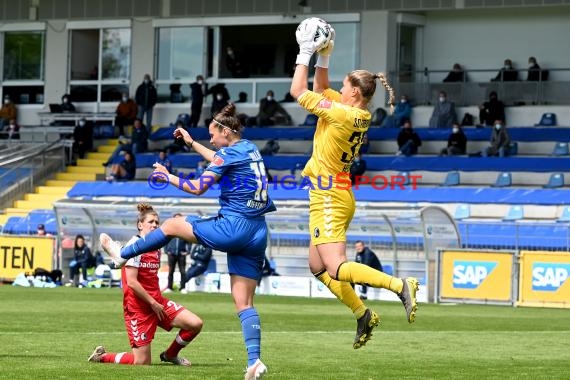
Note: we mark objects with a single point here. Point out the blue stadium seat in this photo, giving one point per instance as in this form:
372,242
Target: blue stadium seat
452,179
547,120
388,269
11,223
555,180
514,213
560,149
565,216
310,121
503,180
462,211
513,149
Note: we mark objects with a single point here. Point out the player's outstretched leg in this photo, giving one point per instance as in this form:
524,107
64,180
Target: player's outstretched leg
255,371
364,327
113,249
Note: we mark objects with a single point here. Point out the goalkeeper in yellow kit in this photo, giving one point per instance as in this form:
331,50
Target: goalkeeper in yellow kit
343,121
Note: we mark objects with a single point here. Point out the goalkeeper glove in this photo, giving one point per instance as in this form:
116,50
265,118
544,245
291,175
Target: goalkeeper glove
325,52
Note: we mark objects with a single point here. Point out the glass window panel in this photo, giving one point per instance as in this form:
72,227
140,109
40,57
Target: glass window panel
166,93
279,89
84,54
112,92
25,94
345,46
23,55
180,53
83,93
235,88
116,53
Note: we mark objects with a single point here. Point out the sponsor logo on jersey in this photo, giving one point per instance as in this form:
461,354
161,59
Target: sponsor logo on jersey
469,274
325,103
549,277
218,161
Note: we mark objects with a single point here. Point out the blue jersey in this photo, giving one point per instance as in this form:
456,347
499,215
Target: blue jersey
243,182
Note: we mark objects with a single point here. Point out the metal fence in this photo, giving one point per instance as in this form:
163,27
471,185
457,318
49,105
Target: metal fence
423,87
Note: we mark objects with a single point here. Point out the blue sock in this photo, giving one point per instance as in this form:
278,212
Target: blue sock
151,242
251,330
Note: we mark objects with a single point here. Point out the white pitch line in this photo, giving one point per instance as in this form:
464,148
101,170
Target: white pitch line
296,332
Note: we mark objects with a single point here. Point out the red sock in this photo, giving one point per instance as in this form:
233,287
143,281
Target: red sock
182,339
119,358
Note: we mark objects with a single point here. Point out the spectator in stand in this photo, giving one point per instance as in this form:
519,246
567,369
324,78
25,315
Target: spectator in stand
408,140
456,74
533,70
7,112
66,105
234,64
456,142
271,112
366,256
492,110
176,249
82,259
126,113
507,73
139,137
11,131
242,97
125,170
500,141
201,257
178,144
146,98
220,99
402,112
443,115
164,161
41,230
198,91
357,168
82,138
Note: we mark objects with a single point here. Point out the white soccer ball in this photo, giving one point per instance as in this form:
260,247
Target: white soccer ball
316,29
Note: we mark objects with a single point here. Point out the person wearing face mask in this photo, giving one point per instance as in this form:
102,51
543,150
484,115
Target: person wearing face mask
146,98
13,130
507,73
234,64
408,140
126,113
500,141
82,138
456,142
271,112
492,110
533,70
402,112
66,105
198,91
7,112
443,115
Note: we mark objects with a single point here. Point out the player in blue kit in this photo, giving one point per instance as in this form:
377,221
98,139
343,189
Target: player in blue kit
239,229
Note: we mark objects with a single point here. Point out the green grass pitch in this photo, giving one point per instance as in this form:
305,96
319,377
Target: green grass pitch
49,333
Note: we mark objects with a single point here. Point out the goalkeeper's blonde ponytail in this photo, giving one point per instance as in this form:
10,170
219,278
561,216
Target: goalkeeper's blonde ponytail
388,88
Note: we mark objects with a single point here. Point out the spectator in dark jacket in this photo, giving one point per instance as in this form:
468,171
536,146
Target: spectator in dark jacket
500,141
492,110
456,142
271,112
456,74
66,105
82,259
201,257
125,170
507,73
176,249
533,70
408,140
146,98
198,91
366,256
443,115
139,137
82,138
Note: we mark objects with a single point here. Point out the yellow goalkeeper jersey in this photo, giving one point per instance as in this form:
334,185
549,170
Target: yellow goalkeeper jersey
337,138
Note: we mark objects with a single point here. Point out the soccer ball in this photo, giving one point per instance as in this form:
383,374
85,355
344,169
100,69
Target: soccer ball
315,28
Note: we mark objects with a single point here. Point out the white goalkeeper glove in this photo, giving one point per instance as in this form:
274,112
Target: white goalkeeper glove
326,51
310,39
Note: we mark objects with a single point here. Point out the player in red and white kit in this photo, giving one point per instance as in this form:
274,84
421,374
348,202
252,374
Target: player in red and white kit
145,308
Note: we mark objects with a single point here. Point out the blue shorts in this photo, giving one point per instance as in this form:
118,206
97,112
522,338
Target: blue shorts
244,240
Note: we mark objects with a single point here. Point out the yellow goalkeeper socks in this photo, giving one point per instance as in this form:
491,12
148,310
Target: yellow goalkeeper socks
357,273
344,292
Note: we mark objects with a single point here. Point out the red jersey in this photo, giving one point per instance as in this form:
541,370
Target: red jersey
148,265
